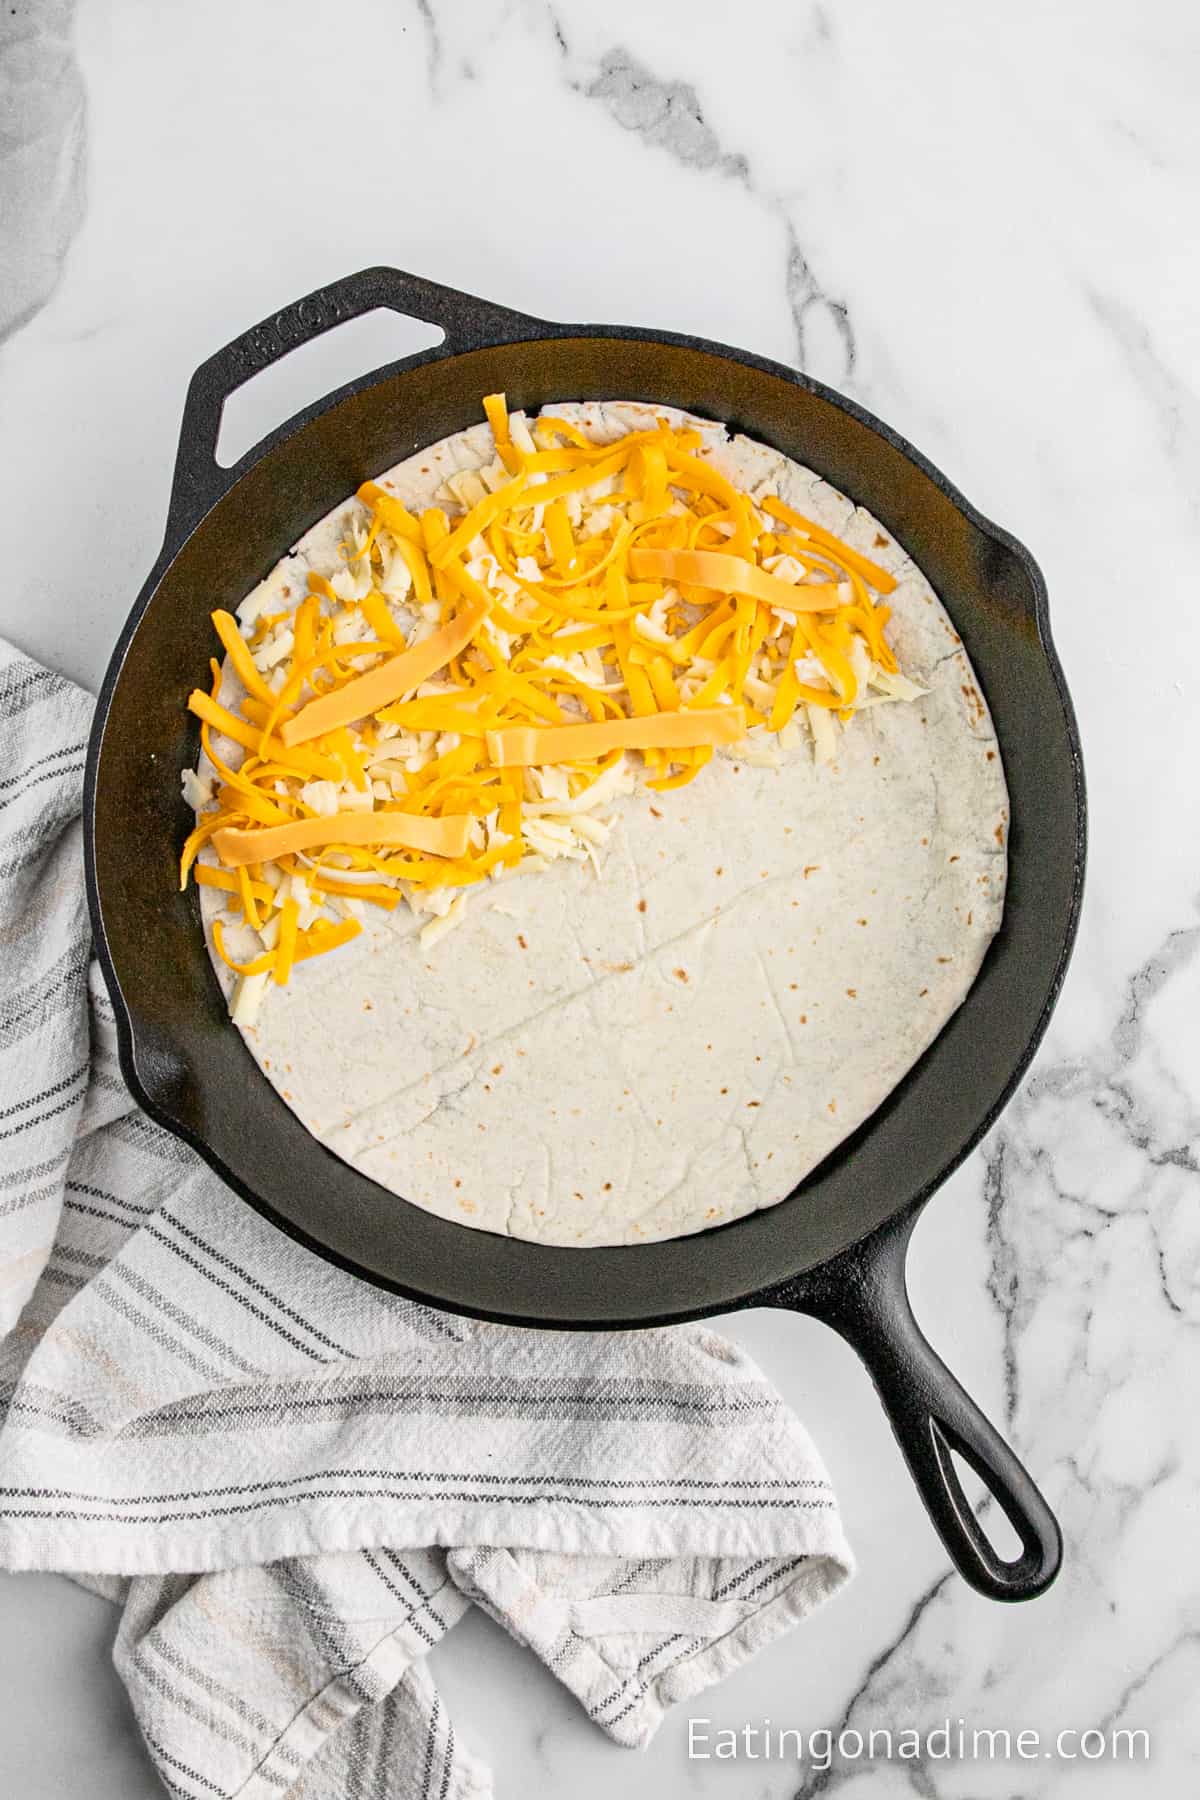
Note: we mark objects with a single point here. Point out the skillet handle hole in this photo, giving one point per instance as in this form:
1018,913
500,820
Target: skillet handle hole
992,1519
318,367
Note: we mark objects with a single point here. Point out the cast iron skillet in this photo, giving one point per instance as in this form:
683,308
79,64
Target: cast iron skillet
836,1247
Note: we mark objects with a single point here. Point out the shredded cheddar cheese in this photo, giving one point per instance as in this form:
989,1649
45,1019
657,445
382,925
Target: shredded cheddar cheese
385,683
727,574
412,831
674,730
467,688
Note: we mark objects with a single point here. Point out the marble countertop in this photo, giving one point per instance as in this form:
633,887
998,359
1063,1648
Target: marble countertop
974,221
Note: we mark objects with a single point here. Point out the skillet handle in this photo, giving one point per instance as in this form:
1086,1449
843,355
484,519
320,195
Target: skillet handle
863,1295
467,322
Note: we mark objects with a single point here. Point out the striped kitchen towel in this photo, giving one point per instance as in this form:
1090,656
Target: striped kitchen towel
293,1484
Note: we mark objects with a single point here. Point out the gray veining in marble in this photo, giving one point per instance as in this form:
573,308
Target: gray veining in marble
668,116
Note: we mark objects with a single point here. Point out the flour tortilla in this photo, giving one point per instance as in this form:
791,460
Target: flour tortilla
591,1061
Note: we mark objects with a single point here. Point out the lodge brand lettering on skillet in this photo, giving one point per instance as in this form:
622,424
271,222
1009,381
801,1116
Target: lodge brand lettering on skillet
835,1248
291,326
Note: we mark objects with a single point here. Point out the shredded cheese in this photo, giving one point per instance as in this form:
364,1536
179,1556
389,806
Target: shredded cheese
522,744
732,575
412,831
462,693
381,685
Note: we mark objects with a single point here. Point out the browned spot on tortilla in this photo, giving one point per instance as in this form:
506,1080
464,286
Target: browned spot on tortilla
497,1068
608,1187
810,869
654,813
804,1018
953,858
832,1106
970,918
754,1103
521,940
641,906
680,974
999,834
880,541
794,985
852,993
991,756
925,840
724,1090
945,959
458,1181
922,993
720,871
861,921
